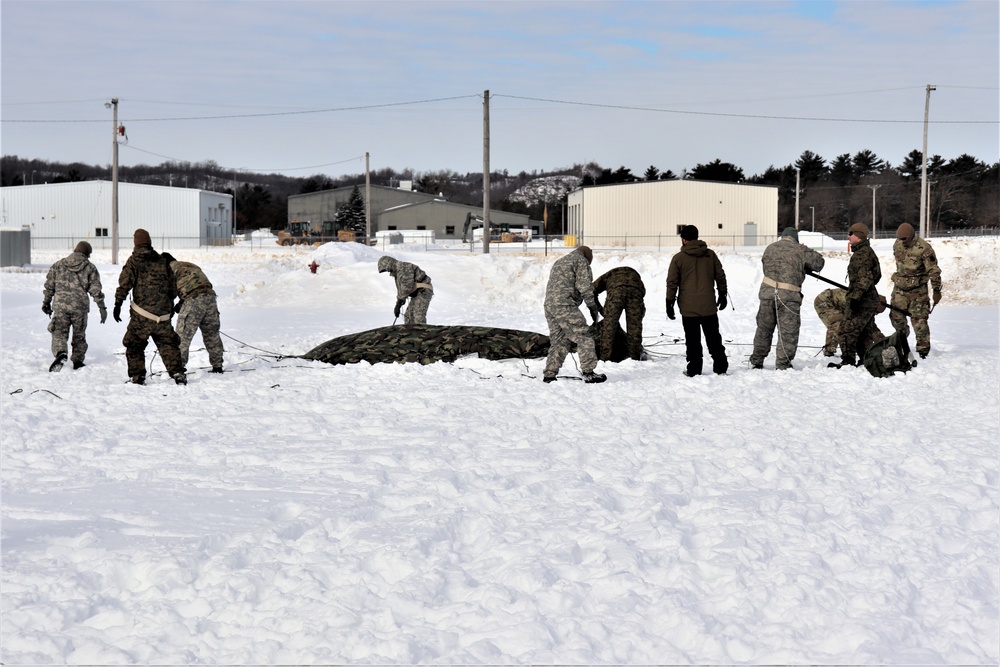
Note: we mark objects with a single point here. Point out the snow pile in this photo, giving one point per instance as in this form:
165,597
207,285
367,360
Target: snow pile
295,512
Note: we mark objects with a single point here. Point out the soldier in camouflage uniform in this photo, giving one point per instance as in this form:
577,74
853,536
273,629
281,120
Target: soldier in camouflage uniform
830,305
625,293
411,283
64,299
570,284
785,264
148,277
863,274
197,308
916,264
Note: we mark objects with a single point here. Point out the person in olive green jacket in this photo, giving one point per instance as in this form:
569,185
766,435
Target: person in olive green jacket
692,278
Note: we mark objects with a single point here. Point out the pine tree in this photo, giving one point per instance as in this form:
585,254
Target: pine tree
351,216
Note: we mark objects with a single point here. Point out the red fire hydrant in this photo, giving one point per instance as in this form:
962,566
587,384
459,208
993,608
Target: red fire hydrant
313,266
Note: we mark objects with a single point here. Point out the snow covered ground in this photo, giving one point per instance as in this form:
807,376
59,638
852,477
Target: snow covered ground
294,512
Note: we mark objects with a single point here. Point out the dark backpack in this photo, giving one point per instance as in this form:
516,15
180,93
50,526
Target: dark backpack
889,355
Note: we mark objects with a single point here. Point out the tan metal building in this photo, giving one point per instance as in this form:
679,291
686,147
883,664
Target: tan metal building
651,213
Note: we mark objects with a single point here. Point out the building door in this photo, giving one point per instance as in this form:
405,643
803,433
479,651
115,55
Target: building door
750,233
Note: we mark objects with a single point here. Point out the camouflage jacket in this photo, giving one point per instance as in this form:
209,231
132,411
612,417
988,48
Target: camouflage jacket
190,280
786,261
570,282
916,265
693,274
409,278
863,272
150,280
619,278
69,281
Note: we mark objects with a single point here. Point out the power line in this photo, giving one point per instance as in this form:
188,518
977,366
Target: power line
253,115
742,115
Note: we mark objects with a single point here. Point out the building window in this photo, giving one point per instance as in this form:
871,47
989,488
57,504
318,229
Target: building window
720,225
449,230
679,228
421,228
101,231
392,228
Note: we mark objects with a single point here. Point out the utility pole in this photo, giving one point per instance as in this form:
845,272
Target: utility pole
923,167
813,209
929,184
368,202
486,172
114,182
797,174
874,188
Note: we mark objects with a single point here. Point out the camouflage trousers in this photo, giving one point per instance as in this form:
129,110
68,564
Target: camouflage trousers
918,303
567,325
781,312
631,301
858,329
137,336
201,312
416,309
831,315
59,326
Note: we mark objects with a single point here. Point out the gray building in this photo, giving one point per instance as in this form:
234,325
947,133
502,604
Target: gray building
396,209
61,214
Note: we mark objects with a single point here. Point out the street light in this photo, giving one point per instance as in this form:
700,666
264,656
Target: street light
874,188
812,209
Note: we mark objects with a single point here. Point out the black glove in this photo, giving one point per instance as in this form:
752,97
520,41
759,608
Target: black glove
600,308
117,312
177,308
937,296
855,306
399,307
47,308
670,310
595,313
104,312
722,302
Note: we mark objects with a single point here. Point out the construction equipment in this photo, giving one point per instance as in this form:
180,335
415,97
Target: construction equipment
305,232
502,233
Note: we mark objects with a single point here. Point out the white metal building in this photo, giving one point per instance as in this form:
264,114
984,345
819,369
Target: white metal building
62,214
651,213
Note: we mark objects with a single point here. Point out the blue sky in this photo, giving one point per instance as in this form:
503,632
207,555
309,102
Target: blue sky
310,87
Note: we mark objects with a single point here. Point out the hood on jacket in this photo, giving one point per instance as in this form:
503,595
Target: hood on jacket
695,248
386,263
76,261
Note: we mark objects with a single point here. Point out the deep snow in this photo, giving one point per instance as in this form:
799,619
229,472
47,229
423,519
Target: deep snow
294,512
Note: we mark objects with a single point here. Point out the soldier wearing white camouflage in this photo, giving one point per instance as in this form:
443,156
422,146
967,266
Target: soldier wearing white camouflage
785,262
570,284
64,299
411,283
197,308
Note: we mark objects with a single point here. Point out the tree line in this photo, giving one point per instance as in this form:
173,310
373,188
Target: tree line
964,192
